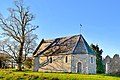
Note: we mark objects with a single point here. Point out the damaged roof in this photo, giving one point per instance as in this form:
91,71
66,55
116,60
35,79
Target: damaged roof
65,45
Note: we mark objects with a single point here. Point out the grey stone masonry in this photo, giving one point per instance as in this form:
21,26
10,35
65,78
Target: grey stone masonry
35,64
82,58
86,66
112,65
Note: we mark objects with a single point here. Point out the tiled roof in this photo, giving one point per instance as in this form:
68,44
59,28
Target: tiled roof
69,44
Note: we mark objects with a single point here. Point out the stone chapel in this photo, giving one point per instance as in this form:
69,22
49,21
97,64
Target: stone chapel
65,54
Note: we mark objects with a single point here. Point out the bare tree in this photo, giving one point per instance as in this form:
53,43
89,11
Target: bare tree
18,31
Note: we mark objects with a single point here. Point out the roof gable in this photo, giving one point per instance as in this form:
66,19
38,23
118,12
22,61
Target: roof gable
82,47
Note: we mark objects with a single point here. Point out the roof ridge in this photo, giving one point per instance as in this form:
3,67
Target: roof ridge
63,37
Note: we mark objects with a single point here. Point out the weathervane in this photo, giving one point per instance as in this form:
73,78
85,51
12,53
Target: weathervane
80,28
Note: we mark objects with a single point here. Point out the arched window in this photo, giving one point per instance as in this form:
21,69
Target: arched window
50,59
66,59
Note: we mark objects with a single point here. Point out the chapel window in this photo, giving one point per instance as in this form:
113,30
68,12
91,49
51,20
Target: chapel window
50,59
66,59
91,60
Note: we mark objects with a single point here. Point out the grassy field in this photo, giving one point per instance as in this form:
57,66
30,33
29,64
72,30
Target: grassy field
29,75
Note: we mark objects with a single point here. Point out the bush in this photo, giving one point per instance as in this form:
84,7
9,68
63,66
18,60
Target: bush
28,63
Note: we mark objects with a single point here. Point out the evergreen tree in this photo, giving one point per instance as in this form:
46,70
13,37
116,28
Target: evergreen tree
99,64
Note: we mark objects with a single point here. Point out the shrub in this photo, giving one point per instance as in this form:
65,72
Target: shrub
28,63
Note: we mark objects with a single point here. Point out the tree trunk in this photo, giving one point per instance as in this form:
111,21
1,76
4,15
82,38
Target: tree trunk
19,66
19,63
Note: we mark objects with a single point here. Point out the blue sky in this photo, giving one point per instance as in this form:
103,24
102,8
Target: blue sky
58,18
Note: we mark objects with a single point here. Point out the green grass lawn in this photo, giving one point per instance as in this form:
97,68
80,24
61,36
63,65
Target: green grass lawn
29,75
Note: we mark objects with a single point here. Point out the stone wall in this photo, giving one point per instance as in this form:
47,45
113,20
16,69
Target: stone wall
35,64
91,66
112,65
86,66
58,63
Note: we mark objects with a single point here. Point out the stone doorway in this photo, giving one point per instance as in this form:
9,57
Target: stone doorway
79,67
